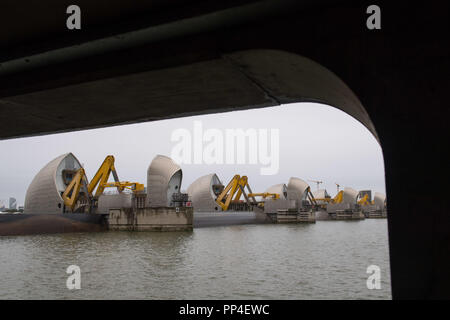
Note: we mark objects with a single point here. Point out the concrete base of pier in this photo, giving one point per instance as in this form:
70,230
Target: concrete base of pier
349,215
375,214
151,219
323,215
293,216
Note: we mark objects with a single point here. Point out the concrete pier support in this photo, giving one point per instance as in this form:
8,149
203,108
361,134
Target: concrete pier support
349,215
376,214
293,216
151,219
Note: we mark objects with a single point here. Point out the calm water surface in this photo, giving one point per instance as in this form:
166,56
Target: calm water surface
325,260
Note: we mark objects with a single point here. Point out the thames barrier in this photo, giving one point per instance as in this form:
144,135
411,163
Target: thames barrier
61,198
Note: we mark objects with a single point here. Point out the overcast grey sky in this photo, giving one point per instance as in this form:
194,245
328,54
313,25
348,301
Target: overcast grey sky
317,142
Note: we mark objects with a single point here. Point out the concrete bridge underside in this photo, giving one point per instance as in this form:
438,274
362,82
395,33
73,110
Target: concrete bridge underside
140,61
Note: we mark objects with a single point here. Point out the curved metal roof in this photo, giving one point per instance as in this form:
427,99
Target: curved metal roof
350,195
321,194
298,187
281,189
44,192
379,199
202,194
161,171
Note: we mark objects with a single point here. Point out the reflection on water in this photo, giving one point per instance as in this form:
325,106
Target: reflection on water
326,260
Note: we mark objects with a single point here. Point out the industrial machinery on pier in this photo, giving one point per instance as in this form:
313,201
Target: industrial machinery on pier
79,195
229,198
323,199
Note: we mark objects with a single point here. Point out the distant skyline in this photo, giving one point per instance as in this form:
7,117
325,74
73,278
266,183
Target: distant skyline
317,142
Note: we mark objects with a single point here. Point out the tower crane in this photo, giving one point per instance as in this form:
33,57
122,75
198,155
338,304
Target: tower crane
337,186
317,182
337,199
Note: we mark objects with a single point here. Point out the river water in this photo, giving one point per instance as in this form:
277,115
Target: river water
325,260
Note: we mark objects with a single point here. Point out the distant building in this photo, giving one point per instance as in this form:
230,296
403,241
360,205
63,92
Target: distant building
12,203
2,206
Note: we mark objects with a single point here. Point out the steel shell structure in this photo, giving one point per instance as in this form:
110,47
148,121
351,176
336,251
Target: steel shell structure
281,189
164,178
44,193
350,196
201,193
297,189
379,201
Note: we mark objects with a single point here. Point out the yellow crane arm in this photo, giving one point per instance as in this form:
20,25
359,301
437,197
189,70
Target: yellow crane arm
265,195
133,186
364,201
233,192
224,198
240,190
79,181
70,195
102,176
323,199
338,197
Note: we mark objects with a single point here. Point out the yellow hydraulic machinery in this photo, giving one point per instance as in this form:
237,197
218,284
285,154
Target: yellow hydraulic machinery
133,186
102,176
265,195
73,190
232,192
237,187
79,185
364,201
336,199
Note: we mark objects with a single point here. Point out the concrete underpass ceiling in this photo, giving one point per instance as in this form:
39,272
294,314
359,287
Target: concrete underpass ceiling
37,26
205,87
248,79
174,70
